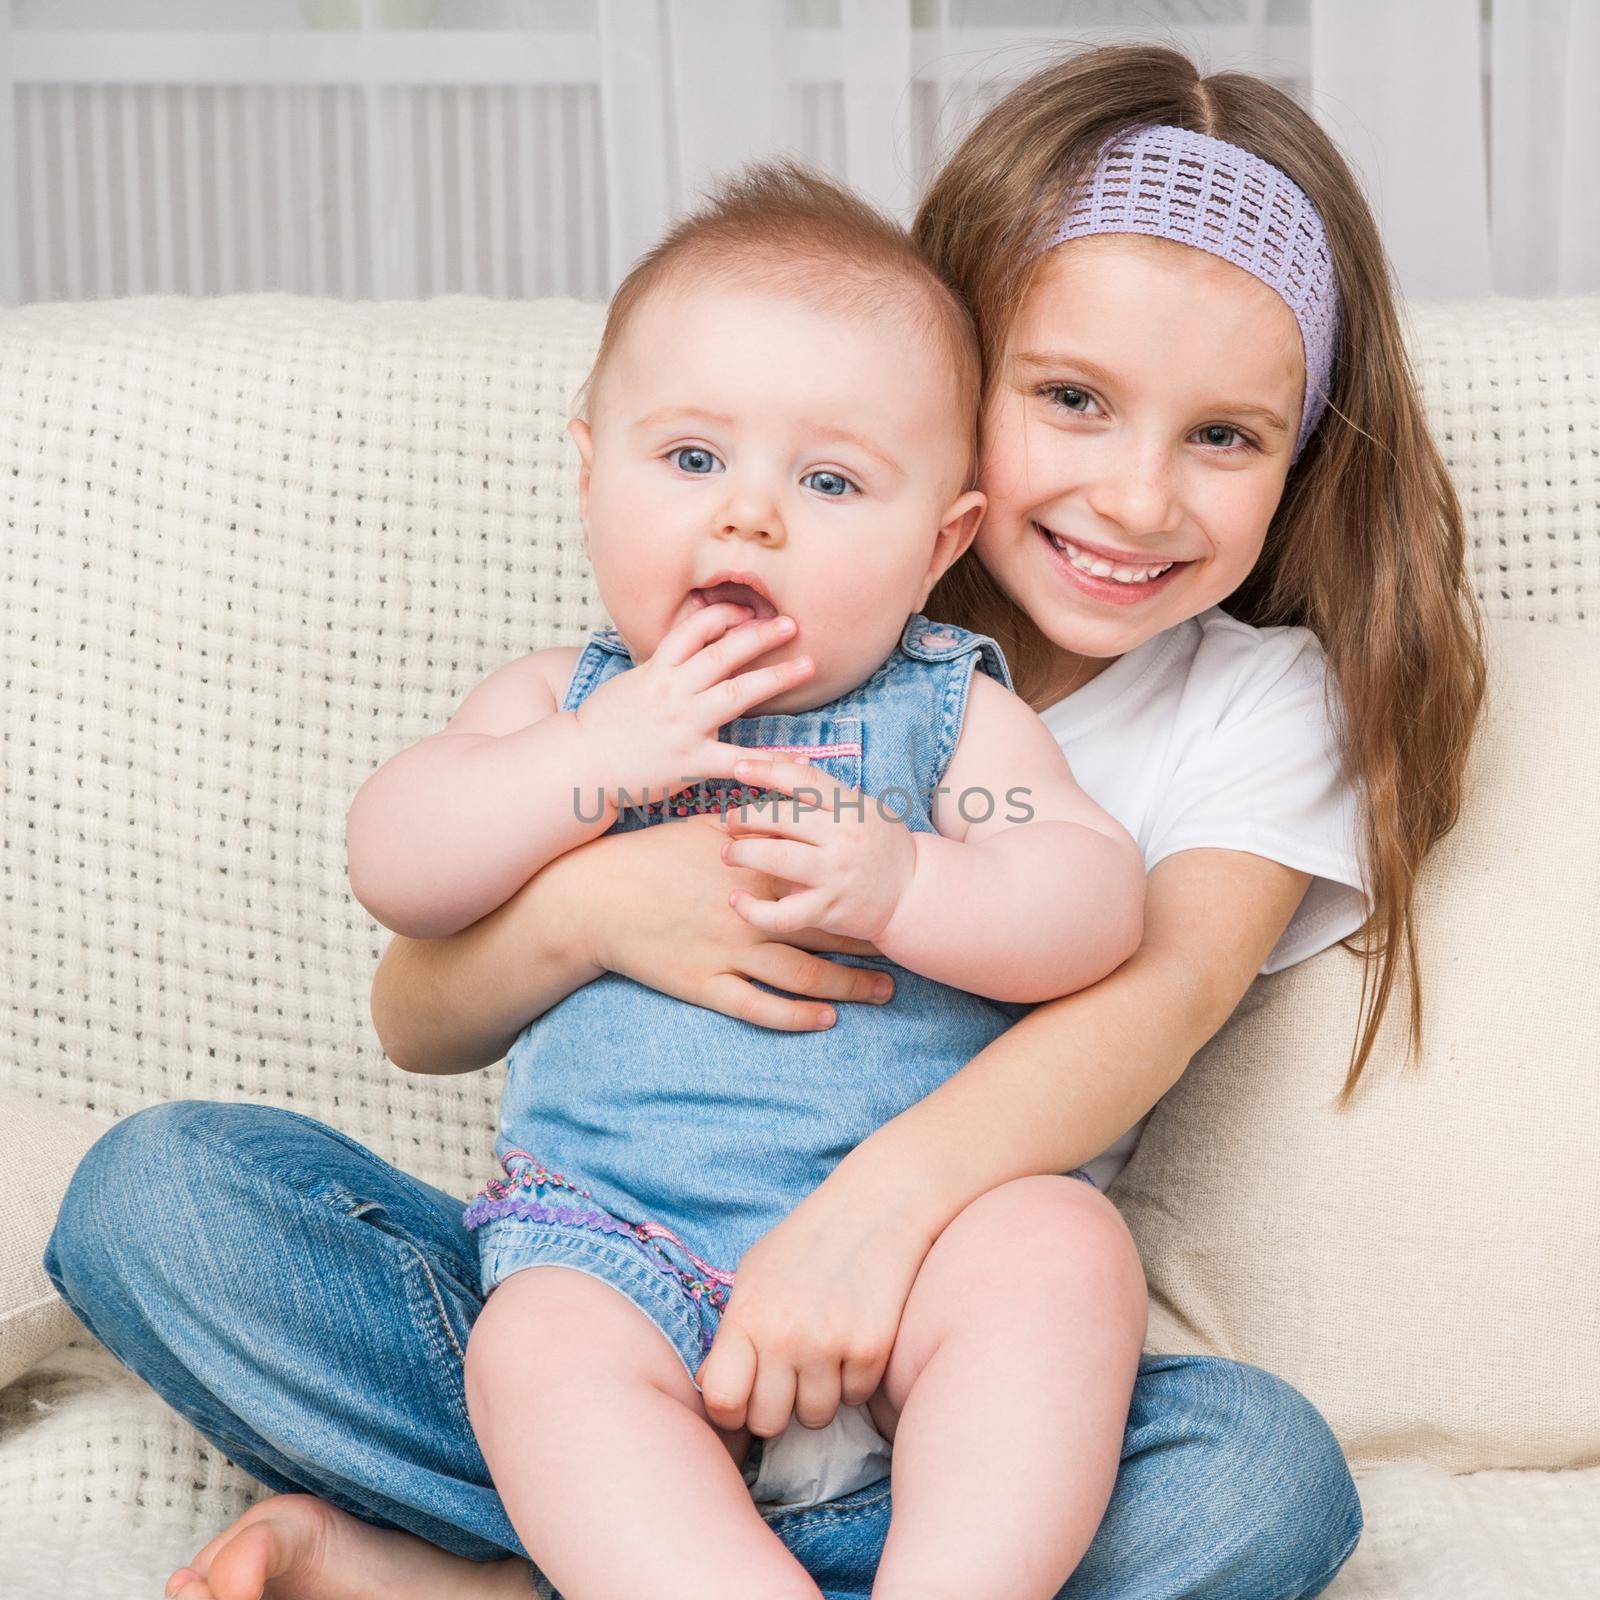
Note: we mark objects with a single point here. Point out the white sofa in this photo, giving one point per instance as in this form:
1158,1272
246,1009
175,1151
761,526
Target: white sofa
253,545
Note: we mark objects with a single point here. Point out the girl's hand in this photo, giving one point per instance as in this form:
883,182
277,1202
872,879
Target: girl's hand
813,1314
851,860
652,904
655,727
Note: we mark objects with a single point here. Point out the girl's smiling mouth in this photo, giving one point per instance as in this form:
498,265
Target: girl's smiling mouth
1120,583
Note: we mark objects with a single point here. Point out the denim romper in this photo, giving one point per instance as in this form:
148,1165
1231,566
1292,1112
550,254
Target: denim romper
649,1142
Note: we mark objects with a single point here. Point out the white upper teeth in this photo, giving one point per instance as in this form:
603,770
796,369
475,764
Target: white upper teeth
1099,567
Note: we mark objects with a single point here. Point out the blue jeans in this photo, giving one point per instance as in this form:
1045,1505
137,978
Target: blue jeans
306,1306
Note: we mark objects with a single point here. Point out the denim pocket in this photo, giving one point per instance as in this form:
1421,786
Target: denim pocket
440,1300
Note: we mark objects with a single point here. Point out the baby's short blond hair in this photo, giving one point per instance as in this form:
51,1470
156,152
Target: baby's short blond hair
783,227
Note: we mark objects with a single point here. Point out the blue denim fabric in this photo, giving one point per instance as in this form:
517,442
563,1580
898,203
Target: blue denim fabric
624,1106
306,1306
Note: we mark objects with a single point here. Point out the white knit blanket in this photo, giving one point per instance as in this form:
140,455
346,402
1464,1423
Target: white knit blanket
256,544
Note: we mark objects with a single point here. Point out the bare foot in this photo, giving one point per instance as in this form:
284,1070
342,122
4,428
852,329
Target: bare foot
304,1549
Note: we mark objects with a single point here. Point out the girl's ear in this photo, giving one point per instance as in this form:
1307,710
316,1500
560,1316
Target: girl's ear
959,526
584,439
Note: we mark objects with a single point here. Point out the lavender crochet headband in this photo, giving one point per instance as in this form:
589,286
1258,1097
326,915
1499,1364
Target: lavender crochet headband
1187,186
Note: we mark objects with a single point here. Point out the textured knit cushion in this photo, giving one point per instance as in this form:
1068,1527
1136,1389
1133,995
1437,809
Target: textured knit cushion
43,1144
251,548
1512,389
1426,1266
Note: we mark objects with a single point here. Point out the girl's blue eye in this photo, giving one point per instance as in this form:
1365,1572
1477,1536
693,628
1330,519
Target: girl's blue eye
833,484
1220,436
698,453
1069,396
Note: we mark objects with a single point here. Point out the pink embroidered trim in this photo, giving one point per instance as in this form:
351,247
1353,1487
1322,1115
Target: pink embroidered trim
853,749
494,1200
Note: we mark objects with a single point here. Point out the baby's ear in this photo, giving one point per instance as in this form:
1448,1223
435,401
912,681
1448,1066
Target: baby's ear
958,527
584,440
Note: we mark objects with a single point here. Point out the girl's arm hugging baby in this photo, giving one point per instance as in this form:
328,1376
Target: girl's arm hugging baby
1039,895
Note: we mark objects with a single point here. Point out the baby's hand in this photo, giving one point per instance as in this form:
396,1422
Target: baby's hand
853,859
655,726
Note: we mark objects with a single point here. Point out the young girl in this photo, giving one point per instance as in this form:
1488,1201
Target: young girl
777,457
1294,704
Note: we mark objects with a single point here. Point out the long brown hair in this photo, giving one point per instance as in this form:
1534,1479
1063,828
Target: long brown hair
1367,547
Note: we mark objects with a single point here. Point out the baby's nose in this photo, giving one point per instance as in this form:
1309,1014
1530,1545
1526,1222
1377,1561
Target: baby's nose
751,515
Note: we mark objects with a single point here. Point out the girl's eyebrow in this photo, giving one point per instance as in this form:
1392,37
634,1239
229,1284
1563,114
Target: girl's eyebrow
1268,419
1056,359
1060,358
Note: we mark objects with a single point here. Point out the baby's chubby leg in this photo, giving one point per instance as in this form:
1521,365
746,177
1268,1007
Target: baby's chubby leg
598,1442
1007,1392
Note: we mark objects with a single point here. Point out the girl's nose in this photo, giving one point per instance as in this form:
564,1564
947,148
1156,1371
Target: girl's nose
1135,492
749,513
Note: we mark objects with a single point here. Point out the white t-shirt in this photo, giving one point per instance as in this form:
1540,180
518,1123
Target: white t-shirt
1217,734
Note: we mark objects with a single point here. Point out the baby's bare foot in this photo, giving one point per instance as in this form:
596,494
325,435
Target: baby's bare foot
309,1550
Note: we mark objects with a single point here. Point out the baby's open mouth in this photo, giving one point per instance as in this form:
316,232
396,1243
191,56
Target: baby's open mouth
741,593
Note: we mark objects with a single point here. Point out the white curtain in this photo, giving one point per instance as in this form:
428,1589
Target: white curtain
1398,87
525,147
1468,121
1476,192
1545,130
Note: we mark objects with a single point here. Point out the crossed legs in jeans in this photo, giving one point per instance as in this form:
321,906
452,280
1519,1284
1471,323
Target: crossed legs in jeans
359,1287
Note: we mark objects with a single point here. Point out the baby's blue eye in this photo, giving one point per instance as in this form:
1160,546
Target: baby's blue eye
832,484
700,459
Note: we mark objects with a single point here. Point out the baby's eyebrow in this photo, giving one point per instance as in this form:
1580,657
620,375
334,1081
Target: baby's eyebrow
828,430
666,413
845,436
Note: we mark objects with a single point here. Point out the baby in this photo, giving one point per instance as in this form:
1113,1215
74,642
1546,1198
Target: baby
778,443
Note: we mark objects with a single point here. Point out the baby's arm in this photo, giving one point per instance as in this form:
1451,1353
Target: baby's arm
450,828
1016,910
